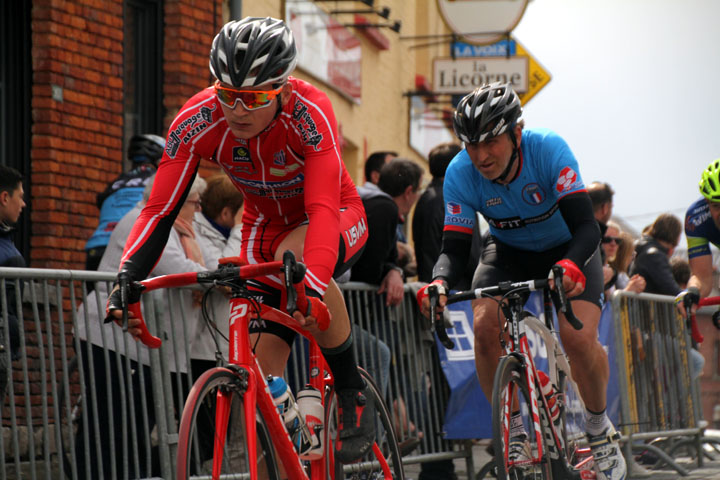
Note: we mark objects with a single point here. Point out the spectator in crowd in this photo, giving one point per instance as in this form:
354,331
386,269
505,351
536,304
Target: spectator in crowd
621,263
427,228
601,196
397,192
374,163
179,255
619,251
681,271
427,225
653,252
218,229
11,205
123,193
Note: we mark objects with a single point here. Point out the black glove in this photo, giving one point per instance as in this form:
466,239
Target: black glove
115,299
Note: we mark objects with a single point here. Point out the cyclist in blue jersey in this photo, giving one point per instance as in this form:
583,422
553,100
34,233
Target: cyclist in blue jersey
123,193
527,185
702,227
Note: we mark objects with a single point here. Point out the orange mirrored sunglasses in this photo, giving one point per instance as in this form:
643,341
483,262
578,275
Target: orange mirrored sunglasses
250,99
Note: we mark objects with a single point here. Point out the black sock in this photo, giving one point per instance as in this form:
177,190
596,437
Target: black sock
343,365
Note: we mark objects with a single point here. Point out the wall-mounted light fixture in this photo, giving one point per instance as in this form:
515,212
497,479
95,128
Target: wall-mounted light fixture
384,12
369,3
394,26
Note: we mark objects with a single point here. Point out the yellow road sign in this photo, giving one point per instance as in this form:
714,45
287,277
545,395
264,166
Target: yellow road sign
538,77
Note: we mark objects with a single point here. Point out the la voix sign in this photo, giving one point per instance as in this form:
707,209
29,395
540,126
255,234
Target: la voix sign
463,75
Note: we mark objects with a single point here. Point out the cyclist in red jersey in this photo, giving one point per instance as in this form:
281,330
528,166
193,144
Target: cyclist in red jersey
276,137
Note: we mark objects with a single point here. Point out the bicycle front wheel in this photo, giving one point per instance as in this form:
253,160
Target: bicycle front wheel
515,456
383,461
210,441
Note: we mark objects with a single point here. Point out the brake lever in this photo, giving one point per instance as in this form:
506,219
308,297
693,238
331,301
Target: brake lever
123,282
289,267
560,299
438,325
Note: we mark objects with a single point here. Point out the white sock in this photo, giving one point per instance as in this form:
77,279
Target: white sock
516,425
596,423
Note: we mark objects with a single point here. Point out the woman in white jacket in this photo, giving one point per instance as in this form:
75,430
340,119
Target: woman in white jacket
103,348
217,228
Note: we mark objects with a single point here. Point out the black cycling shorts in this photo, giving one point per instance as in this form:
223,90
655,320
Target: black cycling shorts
500,262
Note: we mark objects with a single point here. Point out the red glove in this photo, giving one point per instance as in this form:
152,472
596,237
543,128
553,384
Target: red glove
317,308
572,271
423,294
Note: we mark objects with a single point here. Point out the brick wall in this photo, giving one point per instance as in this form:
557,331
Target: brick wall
190,26
77,109
77,122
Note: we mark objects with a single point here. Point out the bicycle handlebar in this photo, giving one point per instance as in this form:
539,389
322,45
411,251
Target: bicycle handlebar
560,299
704,302
229,270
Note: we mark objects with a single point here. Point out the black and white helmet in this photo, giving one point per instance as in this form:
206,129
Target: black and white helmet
146,148
253,51
486,112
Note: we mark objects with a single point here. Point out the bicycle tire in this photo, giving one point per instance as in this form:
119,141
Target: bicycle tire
368,467
487,471
509,385
563,465
197,431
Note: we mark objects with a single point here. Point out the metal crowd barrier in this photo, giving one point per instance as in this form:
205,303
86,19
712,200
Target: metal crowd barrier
53,410
658,397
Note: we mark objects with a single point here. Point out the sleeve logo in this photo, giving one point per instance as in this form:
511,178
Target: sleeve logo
454,208
566,179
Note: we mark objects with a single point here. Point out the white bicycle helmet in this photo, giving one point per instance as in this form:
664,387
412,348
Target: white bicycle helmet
253,51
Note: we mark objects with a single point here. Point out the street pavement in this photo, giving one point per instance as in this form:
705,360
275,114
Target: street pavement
709,471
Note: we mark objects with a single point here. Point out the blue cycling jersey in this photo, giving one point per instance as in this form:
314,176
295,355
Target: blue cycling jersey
524,213
120,196
700,229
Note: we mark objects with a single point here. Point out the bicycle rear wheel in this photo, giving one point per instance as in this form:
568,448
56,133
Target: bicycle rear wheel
199,431
511,394
383,461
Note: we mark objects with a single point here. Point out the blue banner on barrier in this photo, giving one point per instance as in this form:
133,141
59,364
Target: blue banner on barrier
468,412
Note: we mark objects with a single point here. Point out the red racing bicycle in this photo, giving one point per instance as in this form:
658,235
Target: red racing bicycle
230,426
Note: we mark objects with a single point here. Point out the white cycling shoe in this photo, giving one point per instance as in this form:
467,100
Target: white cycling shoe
608,458
519,451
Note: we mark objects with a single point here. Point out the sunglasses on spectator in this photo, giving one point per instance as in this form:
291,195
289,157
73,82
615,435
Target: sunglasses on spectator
250,99
617,240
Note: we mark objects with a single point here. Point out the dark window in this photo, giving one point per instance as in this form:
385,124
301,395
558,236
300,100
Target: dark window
143,59
15,89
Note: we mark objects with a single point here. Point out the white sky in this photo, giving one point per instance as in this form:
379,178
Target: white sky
635,91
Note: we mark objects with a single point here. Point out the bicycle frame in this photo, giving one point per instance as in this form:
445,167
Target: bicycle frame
243,362
518,345
242,356
514,342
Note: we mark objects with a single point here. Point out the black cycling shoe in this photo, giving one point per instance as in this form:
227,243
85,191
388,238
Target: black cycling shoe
356,424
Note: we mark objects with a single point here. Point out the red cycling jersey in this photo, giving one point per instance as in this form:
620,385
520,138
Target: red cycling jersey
290,173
